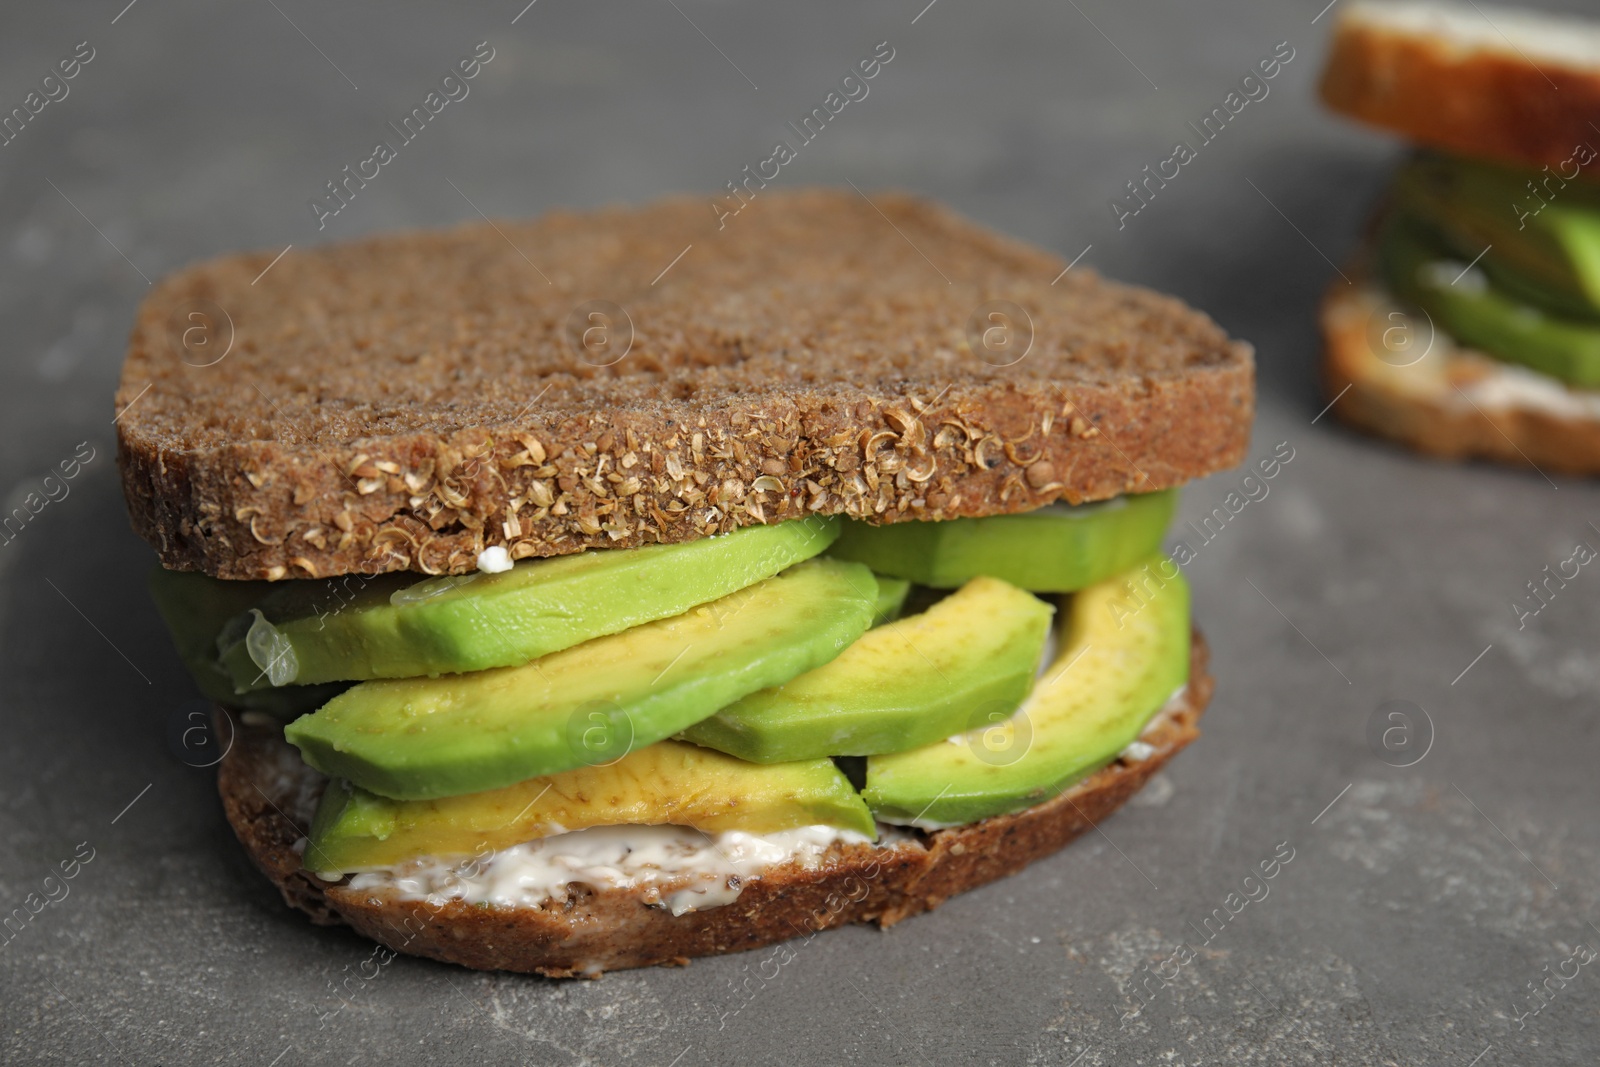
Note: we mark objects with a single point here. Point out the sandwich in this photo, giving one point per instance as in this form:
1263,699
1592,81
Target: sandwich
1469,326
624,587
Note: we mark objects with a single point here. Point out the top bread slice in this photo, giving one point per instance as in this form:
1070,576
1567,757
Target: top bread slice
1509,85
630,376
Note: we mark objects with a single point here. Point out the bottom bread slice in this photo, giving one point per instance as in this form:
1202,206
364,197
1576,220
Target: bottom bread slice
1453,402
269,795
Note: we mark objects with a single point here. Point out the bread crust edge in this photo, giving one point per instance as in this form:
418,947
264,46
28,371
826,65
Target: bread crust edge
1477,103
203,511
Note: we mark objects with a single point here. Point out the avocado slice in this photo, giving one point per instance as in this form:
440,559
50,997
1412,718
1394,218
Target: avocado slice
323,631
1124,652
1055,549
424,738
1544,251
902,685
892,593
196,608
667,783
1473,311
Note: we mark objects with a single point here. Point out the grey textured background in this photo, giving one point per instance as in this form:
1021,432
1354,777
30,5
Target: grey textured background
1417,908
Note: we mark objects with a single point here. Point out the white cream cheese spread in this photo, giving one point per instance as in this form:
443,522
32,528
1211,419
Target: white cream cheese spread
1464,379
1137,751
1047,654
1511,386
679,868
494,560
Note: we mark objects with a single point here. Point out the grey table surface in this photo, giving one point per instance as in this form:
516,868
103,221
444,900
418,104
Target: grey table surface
1421,900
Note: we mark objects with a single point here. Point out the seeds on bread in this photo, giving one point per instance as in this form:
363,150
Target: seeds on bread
403,402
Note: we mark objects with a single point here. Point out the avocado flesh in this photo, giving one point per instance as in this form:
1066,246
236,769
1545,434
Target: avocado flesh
195,609
424,738
668,783
1056,549
892,593
1474,312
902,685
1544,253
1124,652
360,629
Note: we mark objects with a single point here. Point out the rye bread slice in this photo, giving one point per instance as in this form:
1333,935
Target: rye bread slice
1504,84
404,401
269,796
1446,404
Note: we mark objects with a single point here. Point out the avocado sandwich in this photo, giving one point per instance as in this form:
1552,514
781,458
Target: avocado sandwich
1470,326
623,587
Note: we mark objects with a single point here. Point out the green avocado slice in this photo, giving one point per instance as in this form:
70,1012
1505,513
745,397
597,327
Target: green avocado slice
1473,311
196,608
325,631
1124,653
423,738
1056,549
1543,247
892,593
902,685
668,783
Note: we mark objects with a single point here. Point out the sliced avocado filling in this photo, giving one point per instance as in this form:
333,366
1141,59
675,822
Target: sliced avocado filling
798,661
1055,549
1505,260
423,738
392,627
1124,652
1543,233
669,783
1475,311
904,684
196,609
892,593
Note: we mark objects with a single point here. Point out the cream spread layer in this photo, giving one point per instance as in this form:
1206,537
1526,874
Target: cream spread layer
679,868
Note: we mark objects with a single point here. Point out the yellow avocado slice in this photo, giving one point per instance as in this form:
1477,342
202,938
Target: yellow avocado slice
670,783
970,657
1124,652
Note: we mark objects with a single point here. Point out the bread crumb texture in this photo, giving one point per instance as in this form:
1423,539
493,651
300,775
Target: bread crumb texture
633,376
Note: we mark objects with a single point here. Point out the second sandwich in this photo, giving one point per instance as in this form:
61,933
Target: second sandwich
1472,325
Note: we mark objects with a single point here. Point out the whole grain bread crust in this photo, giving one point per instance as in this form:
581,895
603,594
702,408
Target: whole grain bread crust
268,795
1489,103
1427,406
403,402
